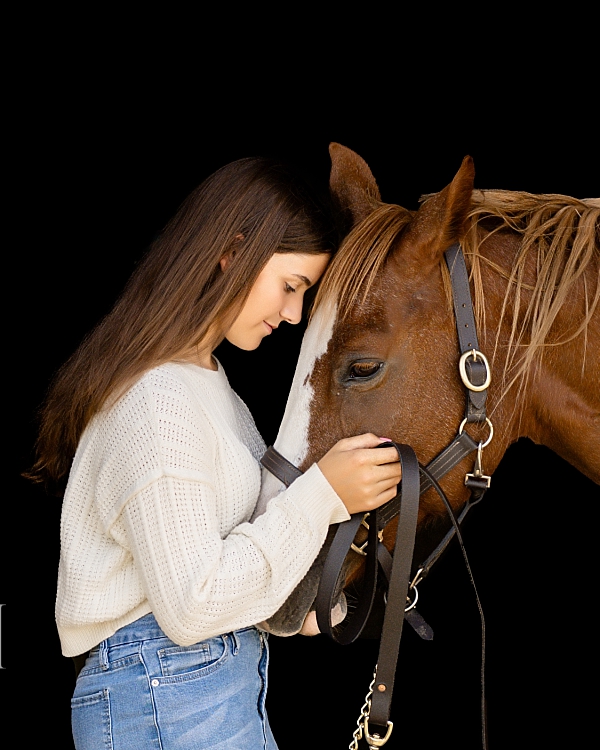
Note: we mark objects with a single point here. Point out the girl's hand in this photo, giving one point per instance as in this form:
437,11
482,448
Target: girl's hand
362,477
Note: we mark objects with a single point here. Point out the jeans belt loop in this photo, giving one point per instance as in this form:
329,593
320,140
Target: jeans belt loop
103,655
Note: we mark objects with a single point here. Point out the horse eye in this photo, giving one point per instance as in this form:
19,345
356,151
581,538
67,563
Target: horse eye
363,369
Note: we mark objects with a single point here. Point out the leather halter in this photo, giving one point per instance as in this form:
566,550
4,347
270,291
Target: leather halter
416,479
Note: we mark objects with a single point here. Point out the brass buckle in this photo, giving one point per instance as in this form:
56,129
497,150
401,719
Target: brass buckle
462,368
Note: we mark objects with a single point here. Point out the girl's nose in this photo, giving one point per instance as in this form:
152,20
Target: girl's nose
292,311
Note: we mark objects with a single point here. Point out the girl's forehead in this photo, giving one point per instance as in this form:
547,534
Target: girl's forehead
307,266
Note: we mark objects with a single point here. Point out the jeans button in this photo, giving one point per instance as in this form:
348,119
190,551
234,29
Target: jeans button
154,683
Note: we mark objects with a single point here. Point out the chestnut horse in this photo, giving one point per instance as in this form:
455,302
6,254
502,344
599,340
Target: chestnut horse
380,353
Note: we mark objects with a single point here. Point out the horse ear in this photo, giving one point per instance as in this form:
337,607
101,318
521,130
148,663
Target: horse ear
352,185
440,220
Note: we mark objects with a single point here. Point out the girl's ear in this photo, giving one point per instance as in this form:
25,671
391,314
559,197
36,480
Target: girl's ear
225,261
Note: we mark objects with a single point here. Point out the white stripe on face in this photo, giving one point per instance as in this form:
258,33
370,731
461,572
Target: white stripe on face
292,438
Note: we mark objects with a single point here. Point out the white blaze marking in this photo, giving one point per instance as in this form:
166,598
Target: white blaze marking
292,438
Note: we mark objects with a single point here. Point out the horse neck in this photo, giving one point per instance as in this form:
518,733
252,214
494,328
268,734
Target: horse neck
554,402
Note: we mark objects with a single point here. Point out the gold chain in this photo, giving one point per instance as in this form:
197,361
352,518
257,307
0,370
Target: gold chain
364,714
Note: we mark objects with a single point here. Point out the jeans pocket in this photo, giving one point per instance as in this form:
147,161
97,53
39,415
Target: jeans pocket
187,662
91,722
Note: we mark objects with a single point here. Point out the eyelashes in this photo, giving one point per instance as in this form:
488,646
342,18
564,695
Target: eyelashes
364,369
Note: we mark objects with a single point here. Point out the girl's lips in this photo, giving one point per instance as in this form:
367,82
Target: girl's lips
269,327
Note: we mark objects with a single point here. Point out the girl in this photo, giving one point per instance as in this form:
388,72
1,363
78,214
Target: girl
162,577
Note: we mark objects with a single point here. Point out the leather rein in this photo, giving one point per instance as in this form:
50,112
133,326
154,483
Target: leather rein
400,579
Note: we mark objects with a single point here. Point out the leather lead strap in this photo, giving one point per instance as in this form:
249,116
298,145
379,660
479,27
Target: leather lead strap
330,584
398,589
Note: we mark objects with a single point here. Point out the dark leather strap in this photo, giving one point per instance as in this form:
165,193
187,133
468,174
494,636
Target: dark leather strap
467,334
398,589
412,616
330,583
462,445
425,567
461,297
279,466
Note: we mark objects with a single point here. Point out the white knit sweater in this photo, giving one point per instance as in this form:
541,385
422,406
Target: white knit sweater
156,516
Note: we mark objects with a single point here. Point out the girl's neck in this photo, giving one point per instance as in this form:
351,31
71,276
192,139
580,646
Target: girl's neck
201,355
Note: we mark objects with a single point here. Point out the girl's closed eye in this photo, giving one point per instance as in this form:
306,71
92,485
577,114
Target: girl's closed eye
289,288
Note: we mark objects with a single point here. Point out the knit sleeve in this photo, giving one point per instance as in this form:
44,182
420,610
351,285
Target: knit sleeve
199,584
176,484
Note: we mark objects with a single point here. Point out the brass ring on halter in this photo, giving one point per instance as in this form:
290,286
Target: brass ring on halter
489,424
463,370
414,601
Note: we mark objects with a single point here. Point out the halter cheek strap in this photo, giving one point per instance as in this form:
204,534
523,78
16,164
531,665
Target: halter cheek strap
473,367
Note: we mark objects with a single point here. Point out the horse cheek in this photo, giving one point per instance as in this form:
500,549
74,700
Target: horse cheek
320,435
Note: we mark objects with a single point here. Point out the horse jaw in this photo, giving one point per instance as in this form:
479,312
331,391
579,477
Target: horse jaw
292,443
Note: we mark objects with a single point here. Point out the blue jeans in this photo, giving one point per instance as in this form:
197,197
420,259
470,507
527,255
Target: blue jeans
140,691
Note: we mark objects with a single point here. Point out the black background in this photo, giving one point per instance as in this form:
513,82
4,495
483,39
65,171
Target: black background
104,157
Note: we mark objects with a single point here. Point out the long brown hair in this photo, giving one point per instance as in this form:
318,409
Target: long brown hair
178,295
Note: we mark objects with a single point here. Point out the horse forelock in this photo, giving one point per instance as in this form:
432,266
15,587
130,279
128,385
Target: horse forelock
355,266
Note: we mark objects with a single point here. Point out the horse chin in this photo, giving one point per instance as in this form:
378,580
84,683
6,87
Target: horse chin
290,617
284,623
338,613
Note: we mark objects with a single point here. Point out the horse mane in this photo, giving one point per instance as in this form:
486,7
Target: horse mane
562,232
563,235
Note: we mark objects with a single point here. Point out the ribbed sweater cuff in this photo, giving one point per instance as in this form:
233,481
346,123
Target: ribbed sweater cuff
313,493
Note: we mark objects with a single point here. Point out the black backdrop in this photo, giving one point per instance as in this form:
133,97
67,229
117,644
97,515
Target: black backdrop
102,169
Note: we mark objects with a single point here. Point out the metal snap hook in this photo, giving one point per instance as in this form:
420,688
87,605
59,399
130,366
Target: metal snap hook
374,740
477,473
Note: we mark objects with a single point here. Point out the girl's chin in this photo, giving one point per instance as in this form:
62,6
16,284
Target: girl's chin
246,344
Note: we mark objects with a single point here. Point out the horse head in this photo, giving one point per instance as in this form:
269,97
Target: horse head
381,354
